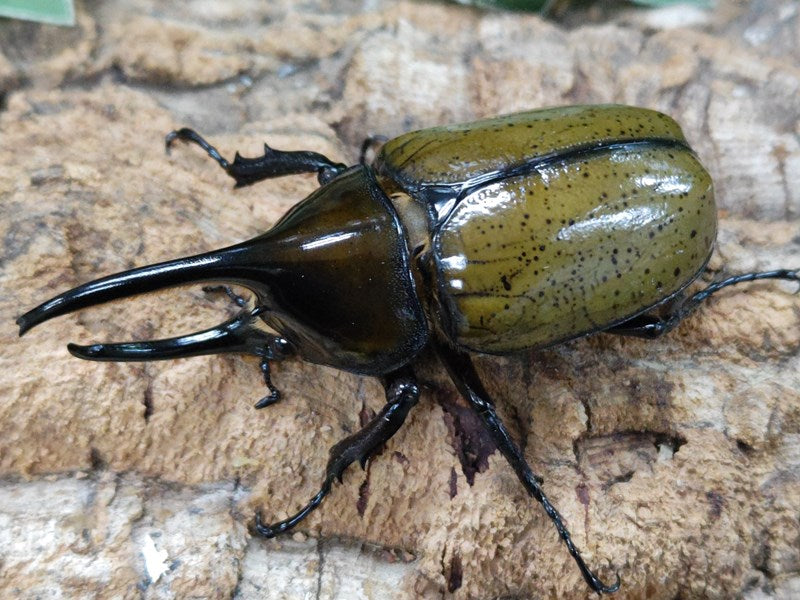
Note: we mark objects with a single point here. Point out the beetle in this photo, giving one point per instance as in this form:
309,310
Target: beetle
515,232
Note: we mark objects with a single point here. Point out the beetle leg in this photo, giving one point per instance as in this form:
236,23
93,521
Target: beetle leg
277,348
274,163
402,392
652,326
274,394
463,374
370,147
238,300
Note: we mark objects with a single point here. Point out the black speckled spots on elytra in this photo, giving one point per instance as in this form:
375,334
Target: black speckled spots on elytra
596,274
426,157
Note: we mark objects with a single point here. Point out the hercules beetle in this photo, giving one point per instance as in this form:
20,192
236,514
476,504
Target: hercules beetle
520,231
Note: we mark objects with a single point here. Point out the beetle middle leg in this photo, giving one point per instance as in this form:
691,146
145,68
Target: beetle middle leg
402,392
370,147
463,374
651,326
274,163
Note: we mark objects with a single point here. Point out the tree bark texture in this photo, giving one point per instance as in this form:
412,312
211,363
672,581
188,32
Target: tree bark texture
675,462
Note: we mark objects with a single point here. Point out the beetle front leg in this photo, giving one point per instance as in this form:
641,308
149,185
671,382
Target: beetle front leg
402,392
238,300
274,163
650,326
463,374
276,348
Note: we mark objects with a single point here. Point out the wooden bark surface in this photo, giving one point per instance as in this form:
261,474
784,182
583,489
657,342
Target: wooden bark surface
675,462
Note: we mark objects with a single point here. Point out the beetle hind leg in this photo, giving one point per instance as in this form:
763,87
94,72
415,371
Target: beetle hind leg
274,163
463,374
402,392
649,326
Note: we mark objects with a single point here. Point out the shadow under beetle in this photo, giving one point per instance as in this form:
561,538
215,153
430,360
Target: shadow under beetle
521,231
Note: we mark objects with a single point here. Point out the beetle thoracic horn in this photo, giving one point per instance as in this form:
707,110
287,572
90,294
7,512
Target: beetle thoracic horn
242,264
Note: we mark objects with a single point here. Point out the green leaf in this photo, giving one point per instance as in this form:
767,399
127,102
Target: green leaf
57,12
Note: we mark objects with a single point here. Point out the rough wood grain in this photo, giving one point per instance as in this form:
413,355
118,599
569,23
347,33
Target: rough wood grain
676,462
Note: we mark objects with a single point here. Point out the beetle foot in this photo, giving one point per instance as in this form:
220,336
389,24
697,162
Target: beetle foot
268,400
265,530
599,587
273,529
190,135
795,276
370,147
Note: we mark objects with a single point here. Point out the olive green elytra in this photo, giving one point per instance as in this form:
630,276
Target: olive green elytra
571,220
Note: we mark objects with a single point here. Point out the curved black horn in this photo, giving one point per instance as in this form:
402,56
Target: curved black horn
243,264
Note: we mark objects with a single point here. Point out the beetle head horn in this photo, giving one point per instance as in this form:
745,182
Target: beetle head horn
244,264
238,334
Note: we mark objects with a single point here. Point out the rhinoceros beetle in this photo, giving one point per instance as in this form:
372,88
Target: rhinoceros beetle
520,231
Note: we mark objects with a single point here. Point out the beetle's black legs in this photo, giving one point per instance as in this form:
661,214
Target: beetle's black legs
460,368
370,147
274,163
274,394
652,326
238,300
402,392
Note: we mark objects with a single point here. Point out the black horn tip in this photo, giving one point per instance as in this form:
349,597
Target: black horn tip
25,323
93,352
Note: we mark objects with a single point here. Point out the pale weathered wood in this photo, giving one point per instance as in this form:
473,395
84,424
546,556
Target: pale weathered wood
675,462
